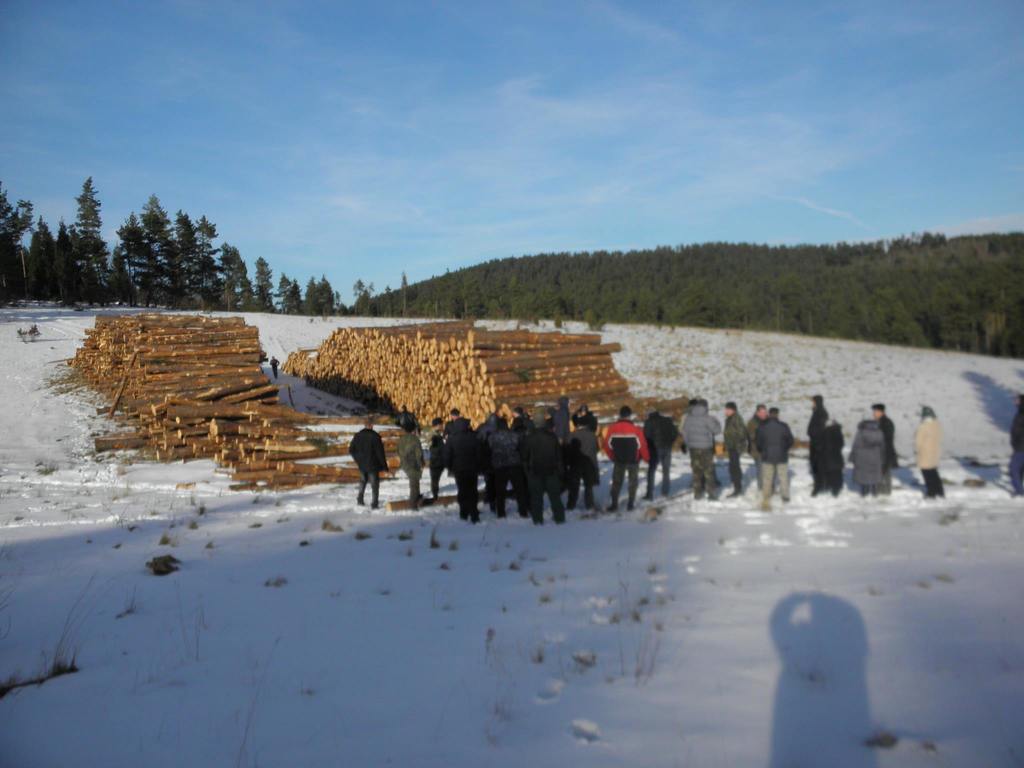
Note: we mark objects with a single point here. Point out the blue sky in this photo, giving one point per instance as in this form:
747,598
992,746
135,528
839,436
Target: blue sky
361,140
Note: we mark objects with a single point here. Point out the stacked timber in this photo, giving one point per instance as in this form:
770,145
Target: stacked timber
191,387
433,368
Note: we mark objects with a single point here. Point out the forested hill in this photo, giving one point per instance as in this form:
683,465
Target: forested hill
963,293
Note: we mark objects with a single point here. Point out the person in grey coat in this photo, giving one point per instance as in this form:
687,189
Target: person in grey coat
581,464
561,420
699,432
868,456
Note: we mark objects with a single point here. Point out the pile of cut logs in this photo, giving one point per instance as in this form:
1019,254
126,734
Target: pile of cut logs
191,387
432,368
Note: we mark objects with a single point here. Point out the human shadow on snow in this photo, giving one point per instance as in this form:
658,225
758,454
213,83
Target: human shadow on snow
822,714
997,399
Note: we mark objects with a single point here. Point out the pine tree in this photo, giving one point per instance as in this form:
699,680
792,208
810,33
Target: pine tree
294,298
237,293
66,264
90,247
137,258
264,286
15,221
211,281
186,245
311,300
120,284
42,282
154,280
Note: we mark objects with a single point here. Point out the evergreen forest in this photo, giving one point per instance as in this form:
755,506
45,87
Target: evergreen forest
963,293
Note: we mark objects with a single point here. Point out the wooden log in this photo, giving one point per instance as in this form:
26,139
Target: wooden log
403,504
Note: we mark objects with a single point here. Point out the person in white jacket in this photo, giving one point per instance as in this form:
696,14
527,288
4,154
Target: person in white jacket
928,445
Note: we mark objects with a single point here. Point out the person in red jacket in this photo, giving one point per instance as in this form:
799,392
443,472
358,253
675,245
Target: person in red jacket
626,446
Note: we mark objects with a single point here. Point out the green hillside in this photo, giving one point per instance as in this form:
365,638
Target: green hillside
963,293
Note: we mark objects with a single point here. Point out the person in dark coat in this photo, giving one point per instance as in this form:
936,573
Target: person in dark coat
815,433
407,421
483,433
660,432
367,450
462,460
274,363
560,419
1017,444
436,461
545,468
585,416
891,461
868,456
457,422
581,463
832,462
506,448
774,439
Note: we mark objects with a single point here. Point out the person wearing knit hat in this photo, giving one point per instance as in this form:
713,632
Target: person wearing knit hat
1017,443
928,446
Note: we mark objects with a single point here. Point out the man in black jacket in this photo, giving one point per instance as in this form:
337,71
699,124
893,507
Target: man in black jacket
506,450
774,439
545,468
462,460
367,450
661,433
816,433
889,459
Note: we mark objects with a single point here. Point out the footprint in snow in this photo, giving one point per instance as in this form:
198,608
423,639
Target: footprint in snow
551,692
586,731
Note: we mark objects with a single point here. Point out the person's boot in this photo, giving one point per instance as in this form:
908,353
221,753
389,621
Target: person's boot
614,506
361,502
766,506
736,491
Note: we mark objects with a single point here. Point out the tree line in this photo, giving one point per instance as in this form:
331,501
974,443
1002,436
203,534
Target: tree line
156,261
963,293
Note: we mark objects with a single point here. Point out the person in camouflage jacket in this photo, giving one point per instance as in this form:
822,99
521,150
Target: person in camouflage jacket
737,442
759,417
410,456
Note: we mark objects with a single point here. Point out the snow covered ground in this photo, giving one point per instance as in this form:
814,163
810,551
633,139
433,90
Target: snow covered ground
715,635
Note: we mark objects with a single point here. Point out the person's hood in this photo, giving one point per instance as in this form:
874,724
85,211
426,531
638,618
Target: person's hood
563,403
870,425
927,412
540,420
698,409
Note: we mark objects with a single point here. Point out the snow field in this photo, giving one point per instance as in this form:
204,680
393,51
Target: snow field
714,635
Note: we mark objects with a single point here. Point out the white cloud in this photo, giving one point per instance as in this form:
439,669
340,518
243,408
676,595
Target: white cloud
834,212
1007,222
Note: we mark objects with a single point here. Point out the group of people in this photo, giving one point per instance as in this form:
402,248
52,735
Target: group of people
552,453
